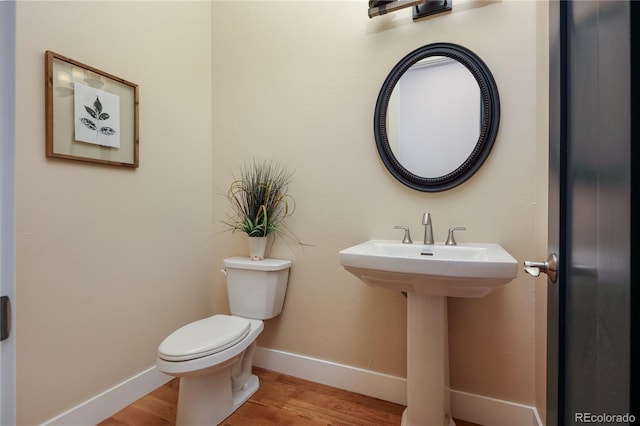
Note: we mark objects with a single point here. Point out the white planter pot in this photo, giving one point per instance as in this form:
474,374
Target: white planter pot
257,247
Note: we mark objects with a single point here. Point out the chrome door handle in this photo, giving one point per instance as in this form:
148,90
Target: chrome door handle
549,267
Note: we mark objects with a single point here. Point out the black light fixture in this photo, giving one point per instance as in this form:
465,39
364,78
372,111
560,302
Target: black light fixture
421,8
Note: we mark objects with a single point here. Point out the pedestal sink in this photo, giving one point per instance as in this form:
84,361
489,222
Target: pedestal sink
429,274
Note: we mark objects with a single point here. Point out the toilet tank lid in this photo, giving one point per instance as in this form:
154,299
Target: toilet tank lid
256,265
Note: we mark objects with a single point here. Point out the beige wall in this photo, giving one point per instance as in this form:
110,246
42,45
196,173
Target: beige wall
110,260
298,81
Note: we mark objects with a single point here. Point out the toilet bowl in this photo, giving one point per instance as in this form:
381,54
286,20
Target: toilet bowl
214,356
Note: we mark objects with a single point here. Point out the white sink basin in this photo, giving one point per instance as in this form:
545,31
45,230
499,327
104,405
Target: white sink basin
464,270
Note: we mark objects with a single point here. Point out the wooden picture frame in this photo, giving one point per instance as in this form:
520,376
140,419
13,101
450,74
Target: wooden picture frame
91,115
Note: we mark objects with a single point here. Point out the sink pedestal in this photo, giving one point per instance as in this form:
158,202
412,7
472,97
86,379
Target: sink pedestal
429,274
428,402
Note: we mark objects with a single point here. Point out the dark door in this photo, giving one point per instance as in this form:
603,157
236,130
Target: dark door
592,198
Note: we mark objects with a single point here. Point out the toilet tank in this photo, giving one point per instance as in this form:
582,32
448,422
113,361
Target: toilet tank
256,288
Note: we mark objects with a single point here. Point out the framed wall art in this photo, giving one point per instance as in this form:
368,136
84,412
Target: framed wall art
91,115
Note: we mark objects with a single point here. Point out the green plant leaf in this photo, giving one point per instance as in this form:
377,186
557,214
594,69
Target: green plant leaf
259,199
104,116
90,124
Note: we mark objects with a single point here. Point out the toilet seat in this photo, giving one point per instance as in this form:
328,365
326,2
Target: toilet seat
204,337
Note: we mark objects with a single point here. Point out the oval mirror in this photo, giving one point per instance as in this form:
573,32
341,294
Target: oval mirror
437,117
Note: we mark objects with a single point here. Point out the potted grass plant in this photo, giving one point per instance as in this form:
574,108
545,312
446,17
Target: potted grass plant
260,203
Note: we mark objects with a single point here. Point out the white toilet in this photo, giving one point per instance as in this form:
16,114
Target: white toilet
213,356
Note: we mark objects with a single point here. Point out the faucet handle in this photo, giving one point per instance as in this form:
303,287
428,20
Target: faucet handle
451,241
407,234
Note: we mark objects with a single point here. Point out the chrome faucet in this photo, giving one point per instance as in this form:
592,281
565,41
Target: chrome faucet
428,229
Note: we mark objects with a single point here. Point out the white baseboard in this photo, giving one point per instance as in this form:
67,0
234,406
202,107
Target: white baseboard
490,411
358,380
465,406
109,402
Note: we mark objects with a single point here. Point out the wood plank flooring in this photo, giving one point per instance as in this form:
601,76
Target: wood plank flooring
281,400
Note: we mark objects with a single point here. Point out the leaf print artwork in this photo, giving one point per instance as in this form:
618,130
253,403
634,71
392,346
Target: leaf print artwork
97,116
96,112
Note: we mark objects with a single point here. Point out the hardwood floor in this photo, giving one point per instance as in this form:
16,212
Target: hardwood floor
281,400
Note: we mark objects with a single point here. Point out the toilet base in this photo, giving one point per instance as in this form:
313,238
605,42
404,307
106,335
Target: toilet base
206,400
242,395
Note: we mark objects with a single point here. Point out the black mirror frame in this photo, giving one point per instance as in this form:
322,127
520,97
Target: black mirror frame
490,118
